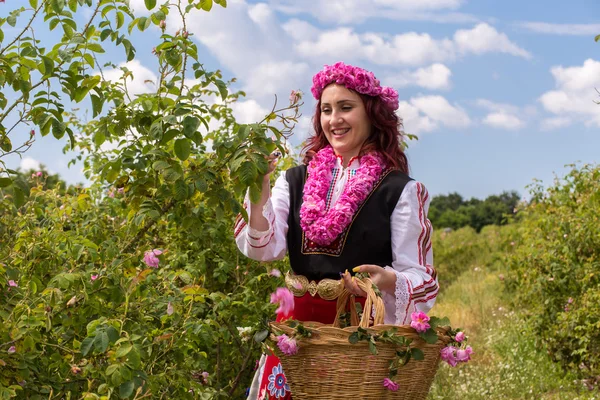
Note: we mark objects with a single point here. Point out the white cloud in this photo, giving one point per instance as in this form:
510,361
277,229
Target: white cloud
575,95
248,111
142,80
484,38
29,163
503,120
440,110
562,29
436,76
502,115
409,48
273,77
413,120
356,11
248,40
300,30
427,113
549,124
303,129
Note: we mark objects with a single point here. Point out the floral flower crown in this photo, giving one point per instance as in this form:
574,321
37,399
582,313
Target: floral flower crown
354,78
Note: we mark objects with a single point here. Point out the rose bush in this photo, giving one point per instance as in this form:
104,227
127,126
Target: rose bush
554,268
132,287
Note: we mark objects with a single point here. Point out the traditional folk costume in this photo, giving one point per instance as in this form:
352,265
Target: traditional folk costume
330,219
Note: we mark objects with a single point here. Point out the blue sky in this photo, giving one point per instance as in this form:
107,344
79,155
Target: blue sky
499,93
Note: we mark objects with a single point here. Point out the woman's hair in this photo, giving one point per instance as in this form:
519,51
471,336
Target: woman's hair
384,138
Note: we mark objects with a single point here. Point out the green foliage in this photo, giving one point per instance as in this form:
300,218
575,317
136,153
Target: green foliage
87,317
452,211
555,268
458,251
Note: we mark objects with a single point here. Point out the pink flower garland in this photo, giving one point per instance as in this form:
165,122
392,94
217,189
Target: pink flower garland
322,226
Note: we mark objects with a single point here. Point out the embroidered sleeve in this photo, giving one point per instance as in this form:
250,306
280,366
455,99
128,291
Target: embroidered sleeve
412,261
270,244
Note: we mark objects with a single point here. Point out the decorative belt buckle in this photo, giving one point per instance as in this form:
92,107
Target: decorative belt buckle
312,288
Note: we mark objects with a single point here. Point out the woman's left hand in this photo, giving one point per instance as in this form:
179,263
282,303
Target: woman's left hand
384,279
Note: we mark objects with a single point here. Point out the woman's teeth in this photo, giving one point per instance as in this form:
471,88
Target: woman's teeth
339,132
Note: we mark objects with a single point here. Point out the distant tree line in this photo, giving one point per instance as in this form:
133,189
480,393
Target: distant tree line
452,211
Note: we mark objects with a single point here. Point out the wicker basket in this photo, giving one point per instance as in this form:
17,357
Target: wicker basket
327,366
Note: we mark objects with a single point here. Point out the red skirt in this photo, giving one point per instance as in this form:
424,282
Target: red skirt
306,308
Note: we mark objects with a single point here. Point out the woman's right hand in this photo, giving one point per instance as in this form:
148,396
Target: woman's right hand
272,159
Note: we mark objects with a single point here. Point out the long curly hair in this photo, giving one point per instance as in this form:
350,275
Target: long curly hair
385,137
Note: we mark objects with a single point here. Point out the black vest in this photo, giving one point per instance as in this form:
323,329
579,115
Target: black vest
367,240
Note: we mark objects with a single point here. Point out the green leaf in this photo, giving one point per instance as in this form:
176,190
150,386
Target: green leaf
11,20
99,138
96,105
430,336
5,143
19,198
133,358
372,348
260,337
86,345
105,33
182,149
353,338
123,350
597,38
150,4
206,5
247,172
126,389
4,182
222,88
190,125
160,165
180,190
101,342
417,354
112,368
120,19
95,47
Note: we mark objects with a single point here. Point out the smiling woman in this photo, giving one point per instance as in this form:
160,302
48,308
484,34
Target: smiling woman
351,206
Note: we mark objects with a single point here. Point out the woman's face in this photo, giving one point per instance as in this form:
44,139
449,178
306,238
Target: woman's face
344,120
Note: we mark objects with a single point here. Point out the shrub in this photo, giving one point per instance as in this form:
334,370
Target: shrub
555,268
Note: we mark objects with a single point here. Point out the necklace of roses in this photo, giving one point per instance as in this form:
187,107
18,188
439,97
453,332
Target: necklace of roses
323,226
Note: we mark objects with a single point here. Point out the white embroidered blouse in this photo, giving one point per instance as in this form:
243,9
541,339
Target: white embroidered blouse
412,257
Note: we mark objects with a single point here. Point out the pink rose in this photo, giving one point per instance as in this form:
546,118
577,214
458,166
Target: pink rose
390,384
12,283
94,277
285,299
275,272
287,345
12,350
151,259
448,354
464,355
460,336
419,321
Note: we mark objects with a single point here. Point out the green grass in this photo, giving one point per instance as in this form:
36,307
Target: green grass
507,364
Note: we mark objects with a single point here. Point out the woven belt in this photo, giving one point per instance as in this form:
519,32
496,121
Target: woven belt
327,289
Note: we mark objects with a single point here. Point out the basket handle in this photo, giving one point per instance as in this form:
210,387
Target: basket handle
372,301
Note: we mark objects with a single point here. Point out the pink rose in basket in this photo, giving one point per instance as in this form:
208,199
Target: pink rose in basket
464,355
390,384
419,321
460,336
287,345
285,299
448,354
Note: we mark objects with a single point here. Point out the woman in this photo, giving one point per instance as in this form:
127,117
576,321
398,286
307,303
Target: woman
351,206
